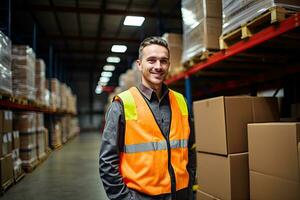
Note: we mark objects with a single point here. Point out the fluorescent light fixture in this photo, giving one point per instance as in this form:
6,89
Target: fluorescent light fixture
98,89
134,20
106,74
113,59
118,48
102,83
109,68
104,79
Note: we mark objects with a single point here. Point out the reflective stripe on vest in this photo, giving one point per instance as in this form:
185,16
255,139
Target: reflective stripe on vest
154,146
144,161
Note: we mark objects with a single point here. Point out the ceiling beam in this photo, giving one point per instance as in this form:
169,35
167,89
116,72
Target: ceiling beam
99,11
89,38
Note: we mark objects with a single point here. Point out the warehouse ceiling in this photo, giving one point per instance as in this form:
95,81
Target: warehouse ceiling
82,32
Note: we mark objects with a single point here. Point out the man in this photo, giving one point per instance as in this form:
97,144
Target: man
147,145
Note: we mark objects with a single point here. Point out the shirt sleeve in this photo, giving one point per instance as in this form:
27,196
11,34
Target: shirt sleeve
109,154
191,167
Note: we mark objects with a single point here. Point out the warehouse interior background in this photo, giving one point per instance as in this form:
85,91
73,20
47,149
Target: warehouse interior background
76,55
78,36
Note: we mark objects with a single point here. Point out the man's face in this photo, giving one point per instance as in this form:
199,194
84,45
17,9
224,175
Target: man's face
154,64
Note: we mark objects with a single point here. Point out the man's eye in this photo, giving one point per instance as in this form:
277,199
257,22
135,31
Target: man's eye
151,61
164,61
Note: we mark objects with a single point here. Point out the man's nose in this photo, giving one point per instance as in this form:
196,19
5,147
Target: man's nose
158,64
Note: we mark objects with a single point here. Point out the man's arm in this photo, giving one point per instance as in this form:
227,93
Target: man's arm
109,154
192,158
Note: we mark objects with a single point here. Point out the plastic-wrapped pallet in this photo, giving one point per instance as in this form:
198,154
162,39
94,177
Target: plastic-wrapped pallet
202,25
236,13
175,46
5,64
23,71
40,80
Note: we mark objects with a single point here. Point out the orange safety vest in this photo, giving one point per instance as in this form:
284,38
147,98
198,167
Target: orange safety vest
144,161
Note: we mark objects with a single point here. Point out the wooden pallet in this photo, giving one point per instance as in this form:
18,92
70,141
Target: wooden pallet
28,168
199,58
19,177
6,185
57,146
271,16
5,96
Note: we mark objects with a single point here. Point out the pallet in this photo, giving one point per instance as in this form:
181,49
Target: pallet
6,185
57,146
28,168
271,16
19,177
199,58
5,96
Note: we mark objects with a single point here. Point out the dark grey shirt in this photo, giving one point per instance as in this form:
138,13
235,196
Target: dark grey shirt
113,142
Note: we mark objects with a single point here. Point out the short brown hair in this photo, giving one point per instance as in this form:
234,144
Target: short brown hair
152,40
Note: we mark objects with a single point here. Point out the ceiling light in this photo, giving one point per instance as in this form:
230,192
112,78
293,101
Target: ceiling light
98,89
134,21
106,74
118,48
104,79
108,67
112,59
102,83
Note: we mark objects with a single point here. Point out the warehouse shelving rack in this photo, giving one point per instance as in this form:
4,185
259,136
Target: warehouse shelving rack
260,54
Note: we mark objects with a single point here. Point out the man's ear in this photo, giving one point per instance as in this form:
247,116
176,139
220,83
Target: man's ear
139,64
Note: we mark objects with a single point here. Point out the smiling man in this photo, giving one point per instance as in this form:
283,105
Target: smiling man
147,145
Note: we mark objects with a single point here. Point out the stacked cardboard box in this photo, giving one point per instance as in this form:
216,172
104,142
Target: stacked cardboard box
5,64
202,24
175,46
40,80
23,71
55,93
237,13
40,136
6,144
221,142
63,94
274,161
17,162
25,123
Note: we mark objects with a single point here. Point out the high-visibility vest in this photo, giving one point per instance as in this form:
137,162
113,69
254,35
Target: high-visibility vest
144,160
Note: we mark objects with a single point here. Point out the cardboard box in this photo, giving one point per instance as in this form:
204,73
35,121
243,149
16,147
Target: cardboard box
28,140
221,122
7,121
4,144
265,109
224,177
264,187
6,165
204,196
16,140
25,121
9,142
274,149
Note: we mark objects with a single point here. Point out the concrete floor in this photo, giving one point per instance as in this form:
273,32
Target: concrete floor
68,173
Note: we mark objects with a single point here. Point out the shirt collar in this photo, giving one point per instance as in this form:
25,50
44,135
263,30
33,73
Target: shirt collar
147,92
